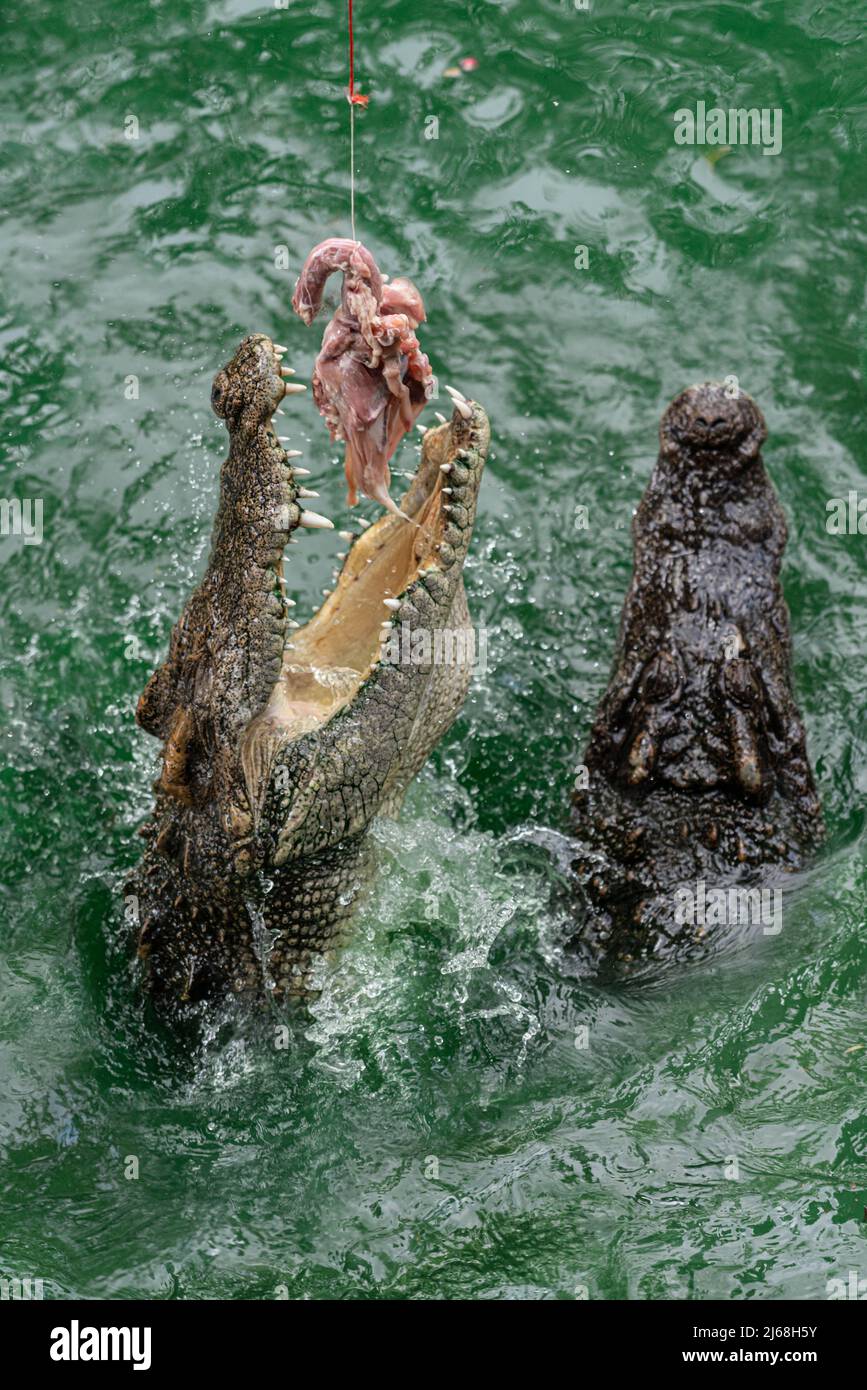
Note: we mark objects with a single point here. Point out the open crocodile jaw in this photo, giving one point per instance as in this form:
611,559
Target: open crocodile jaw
697,764
282,743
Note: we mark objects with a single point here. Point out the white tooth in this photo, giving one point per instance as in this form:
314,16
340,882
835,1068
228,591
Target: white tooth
294,388
278,355
278,347
393,603
422,429
301,472
278,411
346,535
307,492
456,395
440,417
464,410
360,521
445,468
327,593
288,371
289,602
316,522
290,622
447,491
342,554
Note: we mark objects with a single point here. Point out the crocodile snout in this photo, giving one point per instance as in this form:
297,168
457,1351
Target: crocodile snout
713,422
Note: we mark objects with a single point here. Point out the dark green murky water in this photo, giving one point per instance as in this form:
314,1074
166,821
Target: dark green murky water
433,1131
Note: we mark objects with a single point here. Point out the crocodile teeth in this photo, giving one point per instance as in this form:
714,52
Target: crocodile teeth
445,468
362,523
393,603
447,491
316,522
289,602
294,388
301,472
440,417
290,622
288,371
460,403
278,347
307,492
422,429
346,535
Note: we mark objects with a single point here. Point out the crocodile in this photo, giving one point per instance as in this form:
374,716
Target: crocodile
696,772
281,743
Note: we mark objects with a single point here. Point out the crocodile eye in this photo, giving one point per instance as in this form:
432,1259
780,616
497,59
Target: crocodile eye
220,394
661,678
740,684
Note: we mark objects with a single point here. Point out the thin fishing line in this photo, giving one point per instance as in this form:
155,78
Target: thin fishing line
352,165
355,99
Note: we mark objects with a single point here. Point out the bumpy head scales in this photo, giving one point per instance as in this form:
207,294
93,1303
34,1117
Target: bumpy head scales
250,388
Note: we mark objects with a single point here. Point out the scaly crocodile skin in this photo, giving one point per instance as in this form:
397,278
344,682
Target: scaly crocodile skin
697,765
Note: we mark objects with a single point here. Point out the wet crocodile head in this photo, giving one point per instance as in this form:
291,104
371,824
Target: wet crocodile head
711,431
281,743
696,773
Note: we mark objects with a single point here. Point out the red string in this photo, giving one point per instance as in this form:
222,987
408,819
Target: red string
355,98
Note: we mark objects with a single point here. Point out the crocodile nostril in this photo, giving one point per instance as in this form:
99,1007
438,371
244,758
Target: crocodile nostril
709,424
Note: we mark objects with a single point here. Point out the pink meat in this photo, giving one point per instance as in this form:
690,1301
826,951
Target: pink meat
371,380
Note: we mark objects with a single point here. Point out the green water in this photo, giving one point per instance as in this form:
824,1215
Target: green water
432,1131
